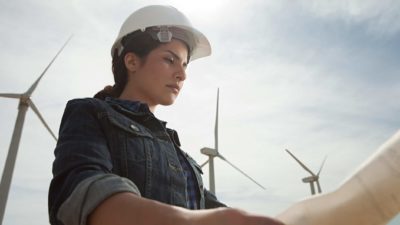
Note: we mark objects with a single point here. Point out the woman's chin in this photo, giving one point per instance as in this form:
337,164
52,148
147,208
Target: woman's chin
168,102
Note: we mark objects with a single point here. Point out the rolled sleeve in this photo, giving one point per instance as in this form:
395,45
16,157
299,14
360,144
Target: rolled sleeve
82,169
90,193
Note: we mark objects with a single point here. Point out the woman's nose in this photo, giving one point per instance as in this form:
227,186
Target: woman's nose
181,73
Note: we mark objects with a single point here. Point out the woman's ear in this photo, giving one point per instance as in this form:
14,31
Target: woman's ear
132,62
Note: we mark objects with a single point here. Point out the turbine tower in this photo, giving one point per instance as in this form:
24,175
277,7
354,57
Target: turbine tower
314,178
25,102
213,152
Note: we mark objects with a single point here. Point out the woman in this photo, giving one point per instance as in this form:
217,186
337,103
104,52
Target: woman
116,163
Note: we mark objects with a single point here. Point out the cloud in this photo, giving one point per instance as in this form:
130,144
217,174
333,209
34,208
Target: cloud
381,17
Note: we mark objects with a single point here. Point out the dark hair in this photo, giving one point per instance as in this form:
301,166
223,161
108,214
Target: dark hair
138,42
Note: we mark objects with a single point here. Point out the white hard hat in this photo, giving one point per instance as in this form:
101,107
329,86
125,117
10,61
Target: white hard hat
163,16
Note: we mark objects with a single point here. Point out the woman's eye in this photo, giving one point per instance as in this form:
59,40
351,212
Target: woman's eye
169,60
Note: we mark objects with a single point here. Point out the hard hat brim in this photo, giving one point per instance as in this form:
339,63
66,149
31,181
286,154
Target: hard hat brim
161,15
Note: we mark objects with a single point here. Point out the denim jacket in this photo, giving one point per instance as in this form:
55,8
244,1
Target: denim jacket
104,149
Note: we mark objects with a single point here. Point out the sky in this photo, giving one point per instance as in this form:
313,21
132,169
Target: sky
319,78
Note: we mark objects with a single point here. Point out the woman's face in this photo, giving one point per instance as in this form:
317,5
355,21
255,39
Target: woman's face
158,79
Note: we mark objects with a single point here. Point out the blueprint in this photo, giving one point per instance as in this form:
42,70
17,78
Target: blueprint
370,196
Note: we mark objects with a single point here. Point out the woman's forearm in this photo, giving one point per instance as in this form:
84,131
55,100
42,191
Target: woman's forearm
129,209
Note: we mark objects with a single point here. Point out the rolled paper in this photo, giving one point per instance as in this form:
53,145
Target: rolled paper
370,196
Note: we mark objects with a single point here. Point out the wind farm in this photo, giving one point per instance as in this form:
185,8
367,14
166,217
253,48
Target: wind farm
316,77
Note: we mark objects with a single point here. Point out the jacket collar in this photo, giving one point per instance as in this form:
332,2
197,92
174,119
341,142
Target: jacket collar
133,106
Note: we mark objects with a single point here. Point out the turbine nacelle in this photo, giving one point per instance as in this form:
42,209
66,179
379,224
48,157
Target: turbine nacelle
209,151
310,179
24,99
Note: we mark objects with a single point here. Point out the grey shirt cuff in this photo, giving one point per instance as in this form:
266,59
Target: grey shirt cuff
89,194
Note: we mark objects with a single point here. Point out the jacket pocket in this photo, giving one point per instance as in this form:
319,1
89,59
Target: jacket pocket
129,126
131,149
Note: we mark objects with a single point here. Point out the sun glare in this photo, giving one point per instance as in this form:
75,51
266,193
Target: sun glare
202,10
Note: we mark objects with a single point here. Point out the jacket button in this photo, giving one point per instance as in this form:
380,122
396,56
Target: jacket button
135,128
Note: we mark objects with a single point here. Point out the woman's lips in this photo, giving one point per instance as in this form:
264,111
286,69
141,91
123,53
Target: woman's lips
175,88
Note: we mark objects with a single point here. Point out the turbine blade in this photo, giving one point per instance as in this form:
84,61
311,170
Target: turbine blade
322,165
202,165
216,123
319,187
34,85
301,164
10,95
235,167
34,108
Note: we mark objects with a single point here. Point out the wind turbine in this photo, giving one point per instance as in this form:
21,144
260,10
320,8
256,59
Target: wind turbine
213,152
314,178
24,103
